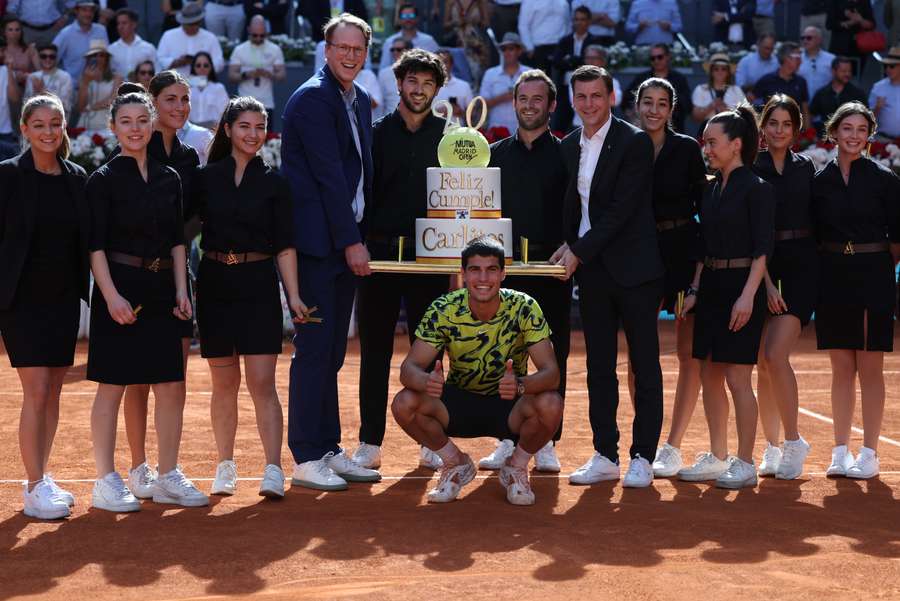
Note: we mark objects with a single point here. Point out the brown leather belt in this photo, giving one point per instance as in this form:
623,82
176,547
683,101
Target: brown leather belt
671,224
781,235
153,265
715,264
850,248
231,258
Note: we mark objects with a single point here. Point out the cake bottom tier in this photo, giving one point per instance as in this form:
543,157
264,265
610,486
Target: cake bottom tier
443,240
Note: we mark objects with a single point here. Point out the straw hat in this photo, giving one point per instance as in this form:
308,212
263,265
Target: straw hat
191,13
719,58
97,47
891,58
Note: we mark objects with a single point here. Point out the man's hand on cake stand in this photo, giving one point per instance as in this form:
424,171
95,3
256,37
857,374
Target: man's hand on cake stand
357,256
565,257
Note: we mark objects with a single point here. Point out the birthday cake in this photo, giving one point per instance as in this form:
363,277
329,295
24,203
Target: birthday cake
463,201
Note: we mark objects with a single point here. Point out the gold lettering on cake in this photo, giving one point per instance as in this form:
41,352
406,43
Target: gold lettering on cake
460,191
434,239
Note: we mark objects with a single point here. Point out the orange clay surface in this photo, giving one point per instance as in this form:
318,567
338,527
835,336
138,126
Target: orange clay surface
812,538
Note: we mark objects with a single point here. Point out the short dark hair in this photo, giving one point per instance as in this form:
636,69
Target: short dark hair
347,19
836,61
592,73
536,75
584,10
47,46
128,12
420,61
484,246
663,47
764,36
408,6
786,49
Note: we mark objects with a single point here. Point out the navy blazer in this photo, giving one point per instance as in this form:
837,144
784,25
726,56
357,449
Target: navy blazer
18,188
620,206
320,161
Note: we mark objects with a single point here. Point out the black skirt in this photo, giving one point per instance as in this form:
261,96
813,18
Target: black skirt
851,286
239,309
147,351
719,290
678,247
796,264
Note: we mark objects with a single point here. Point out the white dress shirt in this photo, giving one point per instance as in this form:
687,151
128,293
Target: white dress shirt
496,82
175,43
208,100
58,81
125,57
543,22
456,88
587,164
389,93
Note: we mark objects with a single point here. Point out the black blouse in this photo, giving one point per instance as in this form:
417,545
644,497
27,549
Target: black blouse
867,209
133,216
183,159
679,177
256,216
738,221
793,189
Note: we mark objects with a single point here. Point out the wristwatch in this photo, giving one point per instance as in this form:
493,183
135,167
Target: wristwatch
520,387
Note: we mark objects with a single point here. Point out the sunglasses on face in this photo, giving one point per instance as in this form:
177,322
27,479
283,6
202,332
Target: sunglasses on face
47,57
806,38
407,16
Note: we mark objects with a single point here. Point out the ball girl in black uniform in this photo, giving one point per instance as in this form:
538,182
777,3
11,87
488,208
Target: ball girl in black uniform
856,204
171,94
791,284
140,295
679,177
245,208
44,272
737,221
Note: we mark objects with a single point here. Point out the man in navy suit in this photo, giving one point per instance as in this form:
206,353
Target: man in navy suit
327,159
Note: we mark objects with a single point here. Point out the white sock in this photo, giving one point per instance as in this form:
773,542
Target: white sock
449,453
520,457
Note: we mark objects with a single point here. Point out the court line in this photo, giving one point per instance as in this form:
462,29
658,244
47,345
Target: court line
827,419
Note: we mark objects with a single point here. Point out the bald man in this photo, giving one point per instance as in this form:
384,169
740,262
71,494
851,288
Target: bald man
256,64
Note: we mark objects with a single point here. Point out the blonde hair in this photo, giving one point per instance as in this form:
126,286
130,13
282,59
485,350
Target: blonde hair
52,102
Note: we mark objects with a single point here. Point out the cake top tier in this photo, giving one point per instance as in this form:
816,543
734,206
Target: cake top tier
463,192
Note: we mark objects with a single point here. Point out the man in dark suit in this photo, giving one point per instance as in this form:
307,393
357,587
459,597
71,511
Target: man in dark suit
611,249
569,56
318,12
327,159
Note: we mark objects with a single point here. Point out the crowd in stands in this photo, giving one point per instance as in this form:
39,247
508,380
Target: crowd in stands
82,49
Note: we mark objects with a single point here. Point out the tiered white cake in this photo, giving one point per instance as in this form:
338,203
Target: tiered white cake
463,204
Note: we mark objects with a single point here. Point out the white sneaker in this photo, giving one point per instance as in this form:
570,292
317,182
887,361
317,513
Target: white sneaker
111,494
65,495
597,469
225,483
368,456
316,474
738,475
706,467
792,458
429,459
174,488
272,485
639,475
770,460
140,481
545,460
841,461
667,461
515,480
451,480
495,460
341,465
44,503
865,466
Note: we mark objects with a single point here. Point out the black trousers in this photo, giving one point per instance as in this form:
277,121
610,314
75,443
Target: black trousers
504,18
555,299
377,309
604,304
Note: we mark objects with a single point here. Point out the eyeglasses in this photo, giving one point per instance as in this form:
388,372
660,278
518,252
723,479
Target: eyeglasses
46,56
344,49
806,38
657,57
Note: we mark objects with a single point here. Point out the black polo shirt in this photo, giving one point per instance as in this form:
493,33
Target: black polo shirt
826,101
771,84
532,186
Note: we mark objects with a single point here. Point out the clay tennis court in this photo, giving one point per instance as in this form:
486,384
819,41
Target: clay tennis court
810,538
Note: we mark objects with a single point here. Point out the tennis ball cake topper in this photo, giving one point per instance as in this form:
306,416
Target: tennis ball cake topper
462,146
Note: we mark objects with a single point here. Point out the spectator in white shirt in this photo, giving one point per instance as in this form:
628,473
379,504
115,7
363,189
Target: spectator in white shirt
177,47
369,82
130,49
208,97
386,78
10,93
455,90
498,83
605,15
541,25
720,93
197,138
257,64
409,30
815,65
50,78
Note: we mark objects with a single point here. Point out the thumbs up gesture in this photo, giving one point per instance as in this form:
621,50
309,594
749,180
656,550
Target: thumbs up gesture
435,385
508,383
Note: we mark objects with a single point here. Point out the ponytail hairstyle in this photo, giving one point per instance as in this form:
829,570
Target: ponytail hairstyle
164,79
220,147
129,87
52,102
660,84
740,122
129,97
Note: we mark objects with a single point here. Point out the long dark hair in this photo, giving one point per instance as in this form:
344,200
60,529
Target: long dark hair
14,19
660,84
220,147
740,122
212,66
785,103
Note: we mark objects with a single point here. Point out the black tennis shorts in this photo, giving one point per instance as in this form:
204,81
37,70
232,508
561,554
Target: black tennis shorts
474,415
